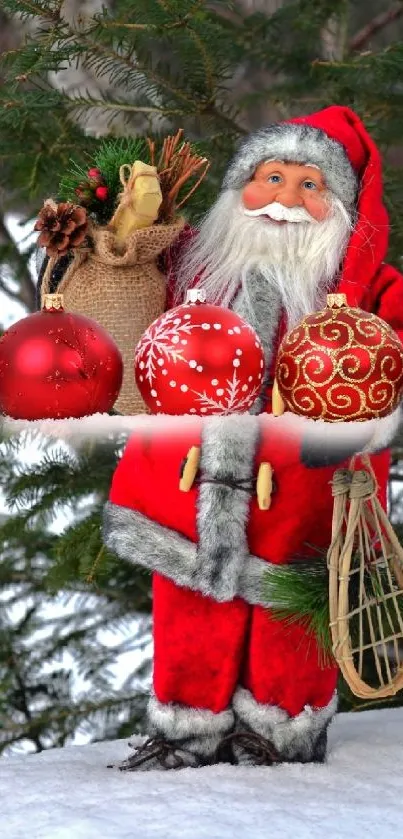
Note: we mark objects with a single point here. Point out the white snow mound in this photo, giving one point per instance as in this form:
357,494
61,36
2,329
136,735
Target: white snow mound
70,794
103,427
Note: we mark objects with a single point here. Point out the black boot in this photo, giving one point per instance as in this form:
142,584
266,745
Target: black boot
158,753
267,734
180,736
245,747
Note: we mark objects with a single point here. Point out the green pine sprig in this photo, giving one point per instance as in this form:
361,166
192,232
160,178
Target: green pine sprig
299,592
111,155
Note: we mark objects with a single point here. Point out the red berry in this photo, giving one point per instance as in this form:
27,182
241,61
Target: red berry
101,193
94,173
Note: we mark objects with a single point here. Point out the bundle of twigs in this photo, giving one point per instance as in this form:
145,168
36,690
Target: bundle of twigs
177,164
367,628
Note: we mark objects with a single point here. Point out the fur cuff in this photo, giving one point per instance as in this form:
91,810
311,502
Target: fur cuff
140,541
328,443
293,737
195,729
254,581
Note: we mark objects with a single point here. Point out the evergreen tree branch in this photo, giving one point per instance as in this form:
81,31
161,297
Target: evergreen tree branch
13,295
145,27
136,66
207,61
361,38
26,292
377,62
203,107
124,107
28,8
24,705
80,711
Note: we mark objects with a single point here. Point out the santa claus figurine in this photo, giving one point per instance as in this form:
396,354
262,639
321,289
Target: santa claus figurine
300,214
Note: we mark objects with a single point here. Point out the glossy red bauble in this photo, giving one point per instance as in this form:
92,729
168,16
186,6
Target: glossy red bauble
341,364
199,359
56,365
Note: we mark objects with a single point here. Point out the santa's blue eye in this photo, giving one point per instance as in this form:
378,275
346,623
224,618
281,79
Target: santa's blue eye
274,179
309,185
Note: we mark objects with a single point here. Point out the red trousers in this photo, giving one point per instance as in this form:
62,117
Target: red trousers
204,649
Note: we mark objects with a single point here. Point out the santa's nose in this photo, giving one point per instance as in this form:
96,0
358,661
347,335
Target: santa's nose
289,197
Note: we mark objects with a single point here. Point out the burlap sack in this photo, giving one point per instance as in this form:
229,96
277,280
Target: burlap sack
124,292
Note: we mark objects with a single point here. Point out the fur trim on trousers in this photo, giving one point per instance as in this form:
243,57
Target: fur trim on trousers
201,731
196,729
295,738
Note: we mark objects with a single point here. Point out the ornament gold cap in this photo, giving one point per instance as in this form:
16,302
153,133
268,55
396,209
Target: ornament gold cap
336,301
52,301
195,295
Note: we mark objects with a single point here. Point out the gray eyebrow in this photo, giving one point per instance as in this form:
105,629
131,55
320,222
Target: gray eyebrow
277,160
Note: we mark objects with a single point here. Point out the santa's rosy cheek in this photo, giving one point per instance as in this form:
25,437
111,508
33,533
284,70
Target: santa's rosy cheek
256,194
317,206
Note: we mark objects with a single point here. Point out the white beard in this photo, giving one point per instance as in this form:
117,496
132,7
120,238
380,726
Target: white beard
298,260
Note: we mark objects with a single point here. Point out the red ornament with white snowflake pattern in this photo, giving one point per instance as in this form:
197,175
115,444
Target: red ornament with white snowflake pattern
56,365
199,359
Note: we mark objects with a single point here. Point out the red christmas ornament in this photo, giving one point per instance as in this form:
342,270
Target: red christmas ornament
101,192
340,364
199,359
56,365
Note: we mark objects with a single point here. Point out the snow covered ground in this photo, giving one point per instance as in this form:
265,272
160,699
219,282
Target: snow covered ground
70,794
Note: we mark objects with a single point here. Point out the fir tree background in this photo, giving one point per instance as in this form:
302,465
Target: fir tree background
72,73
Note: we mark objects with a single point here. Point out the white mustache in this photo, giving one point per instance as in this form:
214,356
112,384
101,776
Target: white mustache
278,212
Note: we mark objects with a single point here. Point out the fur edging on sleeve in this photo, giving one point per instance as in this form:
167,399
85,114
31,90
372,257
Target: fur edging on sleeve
348,438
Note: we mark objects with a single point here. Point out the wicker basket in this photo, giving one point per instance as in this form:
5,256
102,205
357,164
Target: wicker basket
123,291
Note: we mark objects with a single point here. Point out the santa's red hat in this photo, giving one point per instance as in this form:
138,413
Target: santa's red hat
334,139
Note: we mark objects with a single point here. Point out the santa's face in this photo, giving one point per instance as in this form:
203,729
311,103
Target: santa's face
284,227
290,184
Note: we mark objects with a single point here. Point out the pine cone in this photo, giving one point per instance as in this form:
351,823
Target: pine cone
62,226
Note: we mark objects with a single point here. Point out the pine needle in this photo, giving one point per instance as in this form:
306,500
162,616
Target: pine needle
110,156
299,592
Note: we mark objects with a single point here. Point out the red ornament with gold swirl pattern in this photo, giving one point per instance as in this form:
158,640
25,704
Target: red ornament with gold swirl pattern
340,364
